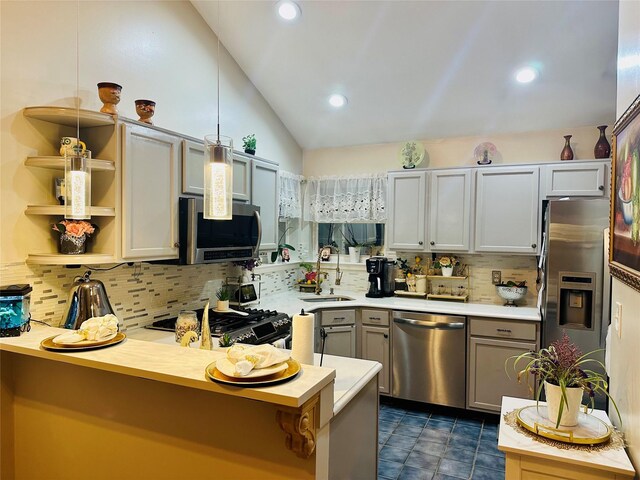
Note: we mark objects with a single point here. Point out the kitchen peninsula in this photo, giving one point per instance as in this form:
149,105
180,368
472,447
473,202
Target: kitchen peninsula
146,410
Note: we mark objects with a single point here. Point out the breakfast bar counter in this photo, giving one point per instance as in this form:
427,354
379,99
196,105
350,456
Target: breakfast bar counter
141,409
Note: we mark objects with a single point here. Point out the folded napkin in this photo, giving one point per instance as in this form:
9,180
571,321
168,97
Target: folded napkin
247,358
94,329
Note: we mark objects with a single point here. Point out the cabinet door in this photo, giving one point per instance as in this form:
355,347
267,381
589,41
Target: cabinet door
265,193
576,179
193,167
487,380
375,346
449,210
149,193
406,214
340,341
507,210
241,178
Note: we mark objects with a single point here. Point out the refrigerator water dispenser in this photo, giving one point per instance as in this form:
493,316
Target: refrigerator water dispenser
576,299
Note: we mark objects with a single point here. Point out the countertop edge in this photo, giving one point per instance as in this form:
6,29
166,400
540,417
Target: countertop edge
356,388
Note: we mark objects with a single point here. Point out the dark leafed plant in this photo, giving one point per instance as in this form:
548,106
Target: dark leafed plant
225,340
281,246
222,294
249,142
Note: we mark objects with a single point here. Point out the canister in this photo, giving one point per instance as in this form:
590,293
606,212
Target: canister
14,309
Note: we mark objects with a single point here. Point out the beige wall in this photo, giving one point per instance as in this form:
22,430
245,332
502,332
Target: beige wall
533,147
162,51
625,375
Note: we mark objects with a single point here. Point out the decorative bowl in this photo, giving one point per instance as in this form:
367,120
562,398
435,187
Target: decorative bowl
511,294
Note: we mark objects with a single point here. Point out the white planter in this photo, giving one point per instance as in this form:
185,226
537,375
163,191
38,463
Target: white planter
421,283
354,254
222,305
447,271
569,412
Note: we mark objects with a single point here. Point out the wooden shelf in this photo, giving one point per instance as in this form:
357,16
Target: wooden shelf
59,259
69,116
434,277
59,210
459,298
57,163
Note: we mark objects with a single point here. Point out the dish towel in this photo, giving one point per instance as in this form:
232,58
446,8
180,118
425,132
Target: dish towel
247,358
94,329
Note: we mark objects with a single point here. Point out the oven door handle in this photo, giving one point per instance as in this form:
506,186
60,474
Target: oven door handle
438,325
256,250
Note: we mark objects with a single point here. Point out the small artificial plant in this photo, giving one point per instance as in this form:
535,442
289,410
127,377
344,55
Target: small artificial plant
511,283
281,247
225,340
249,142
74,228
223,293
446,262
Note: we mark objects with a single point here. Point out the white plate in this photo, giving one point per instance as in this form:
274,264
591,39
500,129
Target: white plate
84,343
229,369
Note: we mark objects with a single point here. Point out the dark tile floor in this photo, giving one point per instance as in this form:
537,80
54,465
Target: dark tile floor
423,443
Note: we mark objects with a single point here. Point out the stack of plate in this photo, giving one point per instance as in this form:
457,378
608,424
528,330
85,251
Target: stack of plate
223,371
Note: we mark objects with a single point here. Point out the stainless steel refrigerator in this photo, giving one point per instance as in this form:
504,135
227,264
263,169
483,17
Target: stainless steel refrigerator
575,297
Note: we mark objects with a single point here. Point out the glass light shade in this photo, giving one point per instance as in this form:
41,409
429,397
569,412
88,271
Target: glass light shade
77,179
218,178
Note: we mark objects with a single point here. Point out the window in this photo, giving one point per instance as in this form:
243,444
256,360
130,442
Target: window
344,235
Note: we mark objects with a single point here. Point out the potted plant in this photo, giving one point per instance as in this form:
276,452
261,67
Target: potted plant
283,249
446,264
353,245
562,370
225,340
249,144
73,235
223,299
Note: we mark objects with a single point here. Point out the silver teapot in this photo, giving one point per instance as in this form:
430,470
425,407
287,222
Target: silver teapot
87,298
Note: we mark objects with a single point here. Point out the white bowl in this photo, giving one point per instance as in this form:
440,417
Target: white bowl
511,294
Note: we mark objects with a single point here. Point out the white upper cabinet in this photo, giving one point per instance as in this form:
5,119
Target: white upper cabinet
265,193
149,193
193,167
406,215
507,209
449,210
578,179
241,178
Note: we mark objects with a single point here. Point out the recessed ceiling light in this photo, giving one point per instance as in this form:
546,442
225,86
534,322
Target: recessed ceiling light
526,75
288,10
337,100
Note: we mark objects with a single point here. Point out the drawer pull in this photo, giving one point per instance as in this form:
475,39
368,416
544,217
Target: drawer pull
503,330
374,318
339,318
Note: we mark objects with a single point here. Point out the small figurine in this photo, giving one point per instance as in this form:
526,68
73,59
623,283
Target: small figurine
285,255
145,109
109,94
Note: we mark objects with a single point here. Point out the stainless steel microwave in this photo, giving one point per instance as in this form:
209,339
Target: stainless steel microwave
210,241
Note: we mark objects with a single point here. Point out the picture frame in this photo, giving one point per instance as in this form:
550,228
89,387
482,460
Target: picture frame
624,219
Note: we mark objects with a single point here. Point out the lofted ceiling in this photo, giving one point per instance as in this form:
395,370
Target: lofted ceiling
425,69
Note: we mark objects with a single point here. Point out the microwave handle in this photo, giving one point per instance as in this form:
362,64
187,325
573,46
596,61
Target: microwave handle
257,249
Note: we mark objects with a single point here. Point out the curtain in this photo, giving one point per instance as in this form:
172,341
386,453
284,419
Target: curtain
346,199
290,196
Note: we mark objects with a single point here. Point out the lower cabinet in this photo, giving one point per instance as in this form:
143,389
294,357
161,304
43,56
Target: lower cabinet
375,346
491,344
339,330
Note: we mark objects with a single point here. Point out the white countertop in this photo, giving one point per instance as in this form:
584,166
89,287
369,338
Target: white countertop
512,441
291,302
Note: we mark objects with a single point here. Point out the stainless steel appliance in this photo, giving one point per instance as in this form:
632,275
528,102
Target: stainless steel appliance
87,298
572,274
242,294
429,358
209,241
380,271
250,326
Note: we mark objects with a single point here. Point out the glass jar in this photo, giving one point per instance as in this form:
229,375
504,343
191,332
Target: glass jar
187,321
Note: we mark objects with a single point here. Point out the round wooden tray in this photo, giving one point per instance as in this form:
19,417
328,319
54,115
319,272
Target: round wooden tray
589,431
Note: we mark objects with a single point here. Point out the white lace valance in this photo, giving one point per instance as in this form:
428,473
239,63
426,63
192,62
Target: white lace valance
290,196
346,199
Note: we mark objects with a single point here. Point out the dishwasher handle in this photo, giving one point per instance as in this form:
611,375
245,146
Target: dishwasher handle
434,325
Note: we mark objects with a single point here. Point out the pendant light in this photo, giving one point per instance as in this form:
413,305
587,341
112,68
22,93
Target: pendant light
77,160
218,166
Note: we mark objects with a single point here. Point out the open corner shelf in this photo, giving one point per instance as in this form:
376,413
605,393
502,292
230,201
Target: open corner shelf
60,259
59,210
57,163
69,116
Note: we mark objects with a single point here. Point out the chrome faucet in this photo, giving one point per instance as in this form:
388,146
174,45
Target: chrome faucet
319,273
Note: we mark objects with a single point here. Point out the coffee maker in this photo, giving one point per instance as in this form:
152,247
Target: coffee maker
380,271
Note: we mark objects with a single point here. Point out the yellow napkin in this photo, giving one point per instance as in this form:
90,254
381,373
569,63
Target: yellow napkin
246,358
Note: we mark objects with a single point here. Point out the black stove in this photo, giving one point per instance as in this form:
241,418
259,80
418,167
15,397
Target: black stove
254,327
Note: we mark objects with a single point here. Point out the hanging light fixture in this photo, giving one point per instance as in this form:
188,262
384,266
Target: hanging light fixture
77,159
218,166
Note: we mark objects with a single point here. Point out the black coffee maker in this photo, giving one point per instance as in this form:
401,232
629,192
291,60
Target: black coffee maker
380,272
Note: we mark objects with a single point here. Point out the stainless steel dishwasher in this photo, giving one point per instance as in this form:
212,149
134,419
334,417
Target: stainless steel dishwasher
429,358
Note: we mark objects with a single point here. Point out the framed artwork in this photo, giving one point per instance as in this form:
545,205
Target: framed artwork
624,231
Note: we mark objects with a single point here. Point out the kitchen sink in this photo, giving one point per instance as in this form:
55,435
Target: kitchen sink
332,298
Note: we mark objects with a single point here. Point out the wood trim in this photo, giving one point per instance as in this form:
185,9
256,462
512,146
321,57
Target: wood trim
300,425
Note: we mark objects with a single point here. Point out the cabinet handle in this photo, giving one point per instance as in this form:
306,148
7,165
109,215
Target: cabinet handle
386,335
374,318
503,330
338,318
533,245
176,245
420,242
432,242
601,187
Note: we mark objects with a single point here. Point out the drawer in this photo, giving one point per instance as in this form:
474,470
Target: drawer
503,329
375,317
338,317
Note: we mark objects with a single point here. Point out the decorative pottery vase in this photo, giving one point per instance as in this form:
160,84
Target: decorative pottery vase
72,245
109,94
250,151
602,148
411,283
145,110
421,283
571,408
354,254
567,153
447,271
222,305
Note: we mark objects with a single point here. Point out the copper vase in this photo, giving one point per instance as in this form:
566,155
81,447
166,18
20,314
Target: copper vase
602,148
567,153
